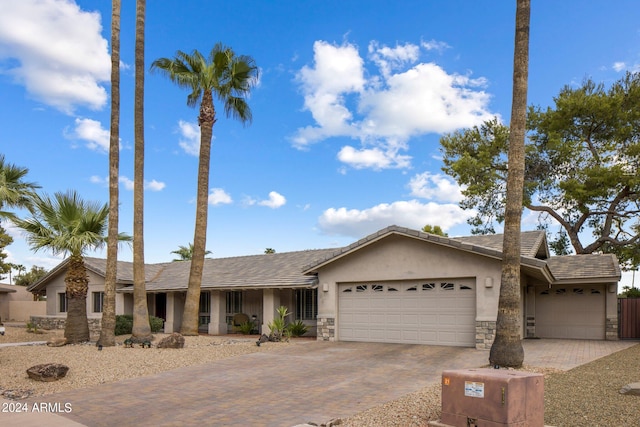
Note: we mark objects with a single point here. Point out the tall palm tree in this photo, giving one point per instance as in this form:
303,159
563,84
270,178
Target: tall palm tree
68,225
14,190
507,347
230,78
141,330
107,333
186,252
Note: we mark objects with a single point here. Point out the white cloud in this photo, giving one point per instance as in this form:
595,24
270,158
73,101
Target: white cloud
61,57
435,45
374,158
189,137
92,132
384,110
127,183
619,66
435,187
413,214
275,200
217,196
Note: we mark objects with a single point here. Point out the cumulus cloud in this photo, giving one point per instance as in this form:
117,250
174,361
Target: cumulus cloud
56,50
217,196
275,200
92,132
413,214
435,187
384,109
189,137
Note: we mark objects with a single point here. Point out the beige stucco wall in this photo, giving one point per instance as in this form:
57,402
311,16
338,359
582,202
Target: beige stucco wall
403,258
11,301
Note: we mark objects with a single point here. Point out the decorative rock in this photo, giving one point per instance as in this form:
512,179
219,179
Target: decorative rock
175,340
57,342
632,389
47,372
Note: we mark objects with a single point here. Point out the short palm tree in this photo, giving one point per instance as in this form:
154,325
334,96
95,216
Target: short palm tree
186,253
66,224
14,191
230,78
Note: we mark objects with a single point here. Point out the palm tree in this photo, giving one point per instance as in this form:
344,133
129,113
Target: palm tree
141,330
507,347
66,224
107,333
186,253
230,78
14,191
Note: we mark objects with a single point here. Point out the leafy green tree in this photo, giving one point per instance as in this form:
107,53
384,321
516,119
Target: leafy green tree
582,169
269,251
108,322
230,78
31,276
5,240
434,229
186,253
507,349
629,292
66,224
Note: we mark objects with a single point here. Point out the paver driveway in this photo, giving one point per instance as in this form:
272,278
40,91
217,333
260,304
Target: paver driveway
297,383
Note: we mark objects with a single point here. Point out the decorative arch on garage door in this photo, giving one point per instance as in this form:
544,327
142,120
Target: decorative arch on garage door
431,311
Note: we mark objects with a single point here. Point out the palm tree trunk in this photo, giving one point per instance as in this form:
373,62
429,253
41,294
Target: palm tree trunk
107,332
76,328
507,347
192,301
141,328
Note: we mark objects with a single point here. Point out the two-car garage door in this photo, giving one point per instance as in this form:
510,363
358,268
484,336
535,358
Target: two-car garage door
436,312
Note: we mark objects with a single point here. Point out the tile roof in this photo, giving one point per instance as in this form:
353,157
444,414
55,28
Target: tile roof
585,267
278,270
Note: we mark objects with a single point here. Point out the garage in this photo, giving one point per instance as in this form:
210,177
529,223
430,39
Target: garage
435,312
576,312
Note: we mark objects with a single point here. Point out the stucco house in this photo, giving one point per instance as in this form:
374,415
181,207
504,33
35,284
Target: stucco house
396,285
17,304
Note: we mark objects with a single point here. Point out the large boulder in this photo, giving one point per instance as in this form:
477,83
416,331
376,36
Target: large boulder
47,372
175,340
57,342
632,389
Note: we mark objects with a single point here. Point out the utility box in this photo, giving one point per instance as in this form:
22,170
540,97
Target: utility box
492,398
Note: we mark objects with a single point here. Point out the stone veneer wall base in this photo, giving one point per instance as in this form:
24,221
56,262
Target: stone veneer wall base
485,334
326,330
54,322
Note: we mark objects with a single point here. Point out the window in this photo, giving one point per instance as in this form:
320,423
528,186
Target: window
62,302
447,286
306,304
377,288
98,301
234,302
428,286
205,307
361,288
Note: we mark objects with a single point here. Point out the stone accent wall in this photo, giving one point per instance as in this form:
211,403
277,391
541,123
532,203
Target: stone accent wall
326,329
485,334
55,322
611,329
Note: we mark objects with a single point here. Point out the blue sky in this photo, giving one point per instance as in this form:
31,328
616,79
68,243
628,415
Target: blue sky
352,99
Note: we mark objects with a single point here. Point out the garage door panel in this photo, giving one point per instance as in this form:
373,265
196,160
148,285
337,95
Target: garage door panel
415,313
576,312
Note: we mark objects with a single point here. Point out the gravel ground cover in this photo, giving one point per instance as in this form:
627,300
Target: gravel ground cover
587,395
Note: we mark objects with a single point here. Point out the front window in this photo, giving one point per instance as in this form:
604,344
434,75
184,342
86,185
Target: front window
62,302
234,304
205,308
98,301
306,304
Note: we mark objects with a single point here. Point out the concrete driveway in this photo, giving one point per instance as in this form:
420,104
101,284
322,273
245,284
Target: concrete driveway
297,383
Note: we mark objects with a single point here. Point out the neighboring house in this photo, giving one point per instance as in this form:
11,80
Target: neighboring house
397,285
17,304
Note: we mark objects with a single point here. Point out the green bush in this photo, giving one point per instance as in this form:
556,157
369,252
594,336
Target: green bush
124,324
246,328
298,328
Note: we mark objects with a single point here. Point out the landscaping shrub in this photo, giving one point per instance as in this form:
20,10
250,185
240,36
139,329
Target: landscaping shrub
298,328
124,324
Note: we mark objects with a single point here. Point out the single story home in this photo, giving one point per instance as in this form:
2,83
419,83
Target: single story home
397,285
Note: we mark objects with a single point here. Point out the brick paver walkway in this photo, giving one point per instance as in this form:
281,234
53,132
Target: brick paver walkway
306,381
